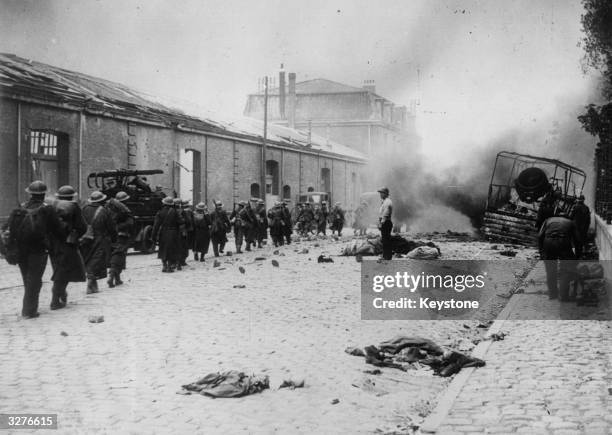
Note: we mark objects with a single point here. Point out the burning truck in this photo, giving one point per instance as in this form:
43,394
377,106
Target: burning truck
525,188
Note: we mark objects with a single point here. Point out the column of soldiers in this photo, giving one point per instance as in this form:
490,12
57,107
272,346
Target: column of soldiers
83,244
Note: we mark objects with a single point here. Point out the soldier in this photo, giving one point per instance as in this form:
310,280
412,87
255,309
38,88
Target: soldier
337,219
125,223
236,221
219,227
96,246
249,223
277,224
581,215
66,259
188,238
555,240
320,217
288,227
385,225
201,226
166,234
29,227
262,222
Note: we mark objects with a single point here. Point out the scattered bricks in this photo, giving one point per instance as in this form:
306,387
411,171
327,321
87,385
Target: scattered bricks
303,251
216,263
241,269
96,319
64,334
275,263
260,258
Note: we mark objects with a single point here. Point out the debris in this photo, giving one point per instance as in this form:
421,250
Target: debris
216,263
229,253
240,286
354,351
292,384
373,372
466,326
359,258
260,258
231,383
241,269
96,319
64,334
275,263
335,401
276,252
424,253
324,259
497,336
508,253
519,291
494,247
316,245
303,251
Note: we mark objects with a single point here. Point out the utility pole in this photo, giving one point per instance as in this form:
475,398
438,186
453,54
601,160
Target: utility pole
265,138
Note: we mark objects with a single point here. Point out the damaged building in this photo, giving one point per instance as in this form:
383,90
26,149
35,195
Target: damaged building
59,125
357,117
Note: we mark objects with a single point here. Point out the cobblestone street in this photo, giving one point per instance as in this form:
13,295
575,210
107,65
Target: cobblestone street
293,321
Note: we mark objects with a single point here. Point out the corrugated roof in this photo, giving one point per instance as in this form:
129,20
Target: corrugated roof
26,78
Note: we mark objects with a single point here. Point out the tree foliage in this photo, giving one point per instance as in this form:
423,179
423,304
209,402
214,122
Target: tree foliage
597,43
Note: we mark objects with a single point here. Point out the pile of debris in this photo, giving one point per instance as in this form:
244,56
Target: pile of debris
404,353
231,383
400,245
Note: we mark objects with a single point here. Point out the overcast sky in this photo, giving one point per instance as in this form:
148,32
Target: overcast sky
476,67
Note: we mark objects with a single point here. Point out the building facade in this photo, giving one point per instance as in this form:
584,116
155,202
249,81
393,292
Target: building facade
59,126
357,117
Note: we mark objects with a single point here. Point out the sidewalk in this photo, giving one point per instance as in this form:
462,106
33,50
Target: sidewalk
545,377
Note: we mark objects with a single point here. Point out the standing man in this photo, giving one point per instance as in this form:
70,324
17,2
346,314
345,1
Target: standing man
29,225
201,231
337,217
219,227
124,222
320,217
66,259
276,216
262,222
101,233
287,222
249,225
236,221
555,240
581,215
166,233
188,216
385,225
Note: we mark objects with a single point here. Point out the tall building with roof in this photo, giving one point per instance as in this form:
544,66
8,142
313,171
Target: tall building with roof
357,117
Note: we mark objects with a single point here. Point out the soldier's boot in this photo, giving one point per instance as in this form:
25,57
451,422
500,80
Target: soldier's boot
118,278
195,256
259,244
92,286
248,247
111,278
56,303
202,257
165,268
179,266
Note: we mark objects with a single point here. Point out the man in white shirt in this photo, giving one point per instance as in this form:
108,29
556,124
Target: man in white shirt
384,222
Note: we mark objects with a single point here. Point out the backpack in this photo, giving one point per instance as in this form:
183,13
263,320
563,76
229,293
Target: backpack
33,226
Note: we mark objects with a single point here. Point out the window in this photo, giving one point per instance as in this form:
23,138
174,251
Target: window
48,157
325,180
255,190
272,177
286,192
43,143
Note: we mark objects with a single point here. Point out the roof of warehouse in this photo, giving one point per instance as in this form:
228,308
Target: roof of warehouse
31,79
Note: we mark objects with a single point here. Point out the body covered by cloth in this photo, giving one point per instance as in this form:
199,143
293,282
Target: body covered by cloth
231,383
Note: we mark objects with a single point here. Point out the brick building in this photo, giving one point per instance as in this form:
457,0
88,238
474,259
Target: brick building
357,117
60,125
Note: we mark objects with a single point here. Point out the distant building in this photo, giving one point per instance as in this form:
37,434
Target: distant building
356,117
60,125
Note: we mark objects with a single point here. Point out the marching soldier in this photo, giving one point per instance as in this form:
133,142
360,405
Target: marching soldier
125,222
166,233
581,215
262,222
201,236
236,221
337,219
277,224
219,227
188,217
96,246
29,226
385,225
66,259
320,218
288,227
249,224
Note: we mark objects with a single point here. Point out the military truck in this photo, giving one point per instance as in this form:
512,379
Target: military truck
520,185
144,202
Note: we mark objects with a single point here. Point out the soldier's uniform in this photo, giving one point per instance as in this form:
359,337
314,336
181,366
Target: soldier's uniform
166,233
320,217
288,227
337,219
219,227
97,249
236,221
555,240
249,222
201,226
125,223
276,216
66,259
581,215
262,223
188,233
33,255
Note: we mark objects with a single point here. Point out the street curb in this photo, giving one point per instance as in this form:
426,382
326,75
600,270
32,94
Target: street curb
442,409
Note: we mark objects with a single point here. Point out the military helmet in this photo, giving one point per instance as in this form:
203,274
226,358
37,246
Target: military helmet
167,201
177,201
36,188
242,203
122,196
200,206
66,192
96,196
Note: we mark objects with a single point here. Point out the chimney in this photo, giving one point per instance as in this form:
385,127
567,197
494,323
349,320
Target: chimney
291,100
281,92
370,86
